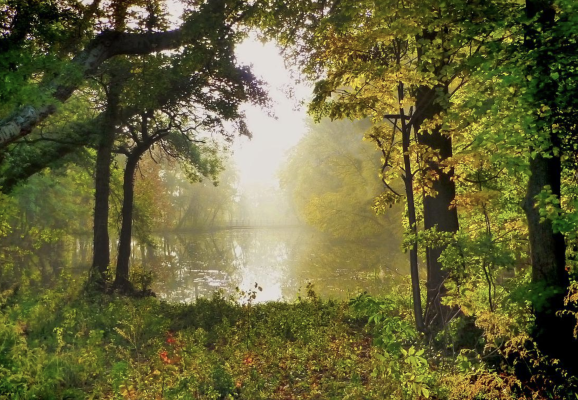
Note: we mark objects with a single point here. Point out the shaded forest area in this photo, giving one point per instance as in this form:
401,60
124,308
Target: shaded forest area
116,120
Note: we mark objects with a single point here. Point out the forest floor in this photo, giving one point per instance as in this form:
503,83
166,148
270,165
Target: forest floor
65,344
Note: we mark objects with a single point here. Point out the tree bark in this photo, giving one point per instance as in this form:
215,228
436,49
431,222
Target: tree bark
439,210
547,247
122,282
411,216
101,249
553,334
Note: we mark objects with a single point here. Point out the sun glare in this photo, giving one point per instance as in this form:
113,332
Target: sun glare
259,158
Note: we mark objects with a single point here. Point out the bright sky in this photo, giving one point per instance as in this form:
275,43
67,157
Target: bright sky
259,159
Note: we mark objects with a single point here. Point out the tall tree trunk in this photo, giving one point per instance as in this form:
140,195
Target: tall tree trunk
121,281
411,216
553,334
101,249
438,209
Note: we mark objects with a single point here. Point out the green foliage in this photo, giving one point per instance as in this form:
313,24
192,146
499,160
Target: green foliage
43,220
144,348
499,100
396,339
66,344
37,37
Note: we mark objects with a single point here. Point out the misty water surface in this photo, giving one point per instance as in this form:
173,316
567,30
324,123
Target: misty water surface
280,260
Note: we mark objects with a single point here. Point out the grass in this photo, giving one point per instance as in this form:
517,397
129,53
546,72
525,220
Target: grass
66,344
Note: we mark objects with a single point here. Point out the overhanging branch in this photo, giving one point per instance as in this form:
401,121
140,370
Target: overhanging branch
106,45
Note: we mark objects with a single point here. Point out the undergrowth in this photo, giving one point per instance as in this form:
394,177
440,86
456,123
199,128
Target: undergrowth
67,344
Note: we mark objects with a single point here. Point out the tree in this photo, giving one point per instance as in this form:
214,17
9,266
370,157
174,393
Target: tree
149,135
109,44
547,246
524,113
202,205
331,177
551,92
211,97
403,62
101,239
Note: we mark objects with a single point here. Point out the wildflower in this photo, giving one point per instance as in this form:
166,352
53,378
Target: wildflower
164,356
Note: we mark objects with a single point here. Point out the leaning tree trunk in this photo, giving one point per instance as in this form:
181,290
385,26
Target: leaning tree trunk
122,282
438,209
412,220
106,45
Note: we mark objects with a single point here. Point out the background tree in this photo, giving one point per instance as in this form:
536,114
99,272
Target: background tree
331,177
202,205
213,87
45,221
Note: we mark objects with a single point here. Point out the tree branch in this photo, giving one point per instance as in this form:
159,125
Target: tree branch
106,45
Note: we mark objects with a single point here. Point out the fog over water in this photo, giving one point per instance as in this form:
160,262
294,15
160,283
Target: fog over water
280,260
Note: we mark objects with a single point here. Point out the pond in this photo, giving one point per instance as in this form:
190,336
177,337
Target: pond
281,261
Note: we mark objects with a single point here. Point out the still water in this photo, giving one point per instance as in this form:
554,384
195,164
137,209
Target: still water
280,260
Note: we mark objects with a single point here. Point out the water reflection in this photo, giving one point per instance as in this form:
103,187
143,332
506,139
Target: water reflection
281,261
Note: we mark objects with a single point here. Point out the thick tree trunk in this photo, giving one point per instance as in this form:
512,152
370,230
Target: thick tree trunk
101,249
553,333
122,282
439,210
547,247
